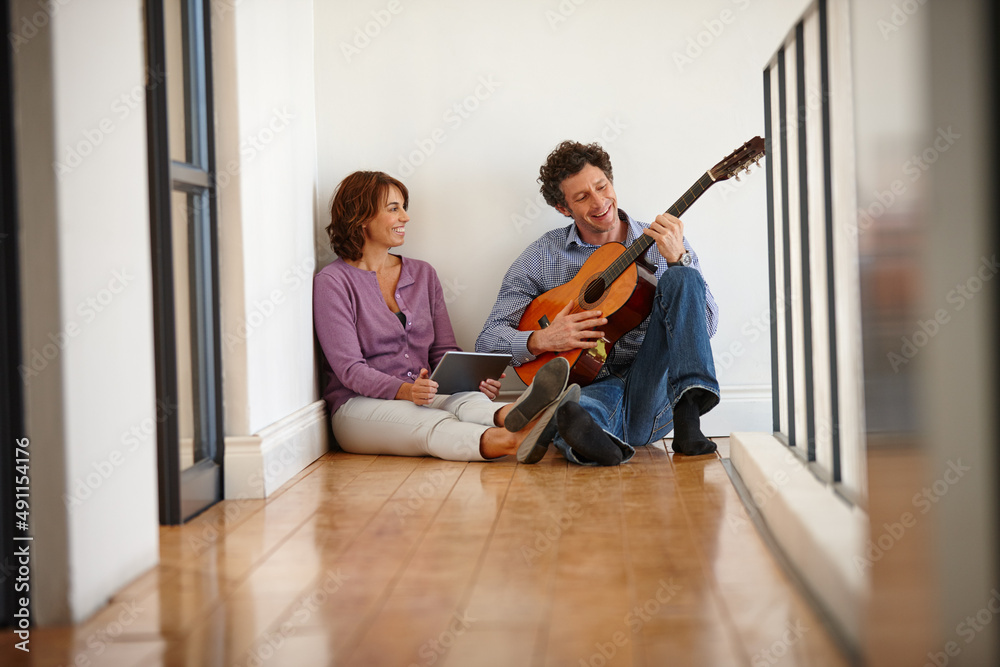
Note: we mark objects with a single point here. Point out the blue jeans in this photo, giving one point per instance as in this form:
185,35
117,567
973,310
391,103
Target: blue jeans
634,405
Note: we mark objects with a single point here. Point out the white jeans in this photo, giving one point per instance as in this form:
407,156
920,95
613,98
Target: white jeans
449,427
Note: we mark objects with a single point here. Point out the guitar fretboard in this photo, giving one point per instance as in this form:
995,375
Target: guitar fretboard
642,244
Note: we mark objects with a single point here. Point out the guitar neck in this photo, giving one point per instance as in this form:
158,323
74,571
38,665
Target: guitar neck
642,244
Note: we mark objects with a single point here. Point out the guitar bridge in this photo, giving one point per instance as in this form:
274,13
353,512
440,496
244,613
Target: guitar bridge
600,352
543,321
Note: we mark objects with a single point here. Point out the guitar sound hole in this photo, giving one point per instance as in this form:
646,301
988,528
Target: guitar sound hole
595,290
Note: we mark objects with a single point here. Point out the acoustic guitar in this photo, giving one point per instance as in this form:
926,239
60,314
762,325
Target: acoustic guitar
619,281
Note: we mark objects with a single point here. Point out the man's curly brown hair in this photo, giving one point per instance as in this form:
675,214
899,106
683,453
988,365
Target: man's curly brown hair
566,160
358,199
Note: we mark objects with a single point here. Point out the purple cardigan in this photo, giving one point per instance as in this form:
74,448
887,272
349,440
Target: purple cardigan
366,351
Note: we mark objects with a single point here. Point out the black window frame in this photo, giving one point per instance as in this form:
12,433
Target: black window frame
12,425
185,493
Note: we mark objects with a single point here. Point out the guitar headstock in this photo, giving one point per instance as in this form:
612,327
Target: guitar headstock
739,160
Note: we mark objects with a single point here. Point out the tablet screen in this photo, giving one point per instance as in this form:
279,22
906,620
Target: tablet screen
463,371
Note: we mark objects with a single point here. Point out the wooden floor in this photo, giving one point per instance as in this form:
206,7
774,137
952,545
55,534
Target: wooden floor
364,560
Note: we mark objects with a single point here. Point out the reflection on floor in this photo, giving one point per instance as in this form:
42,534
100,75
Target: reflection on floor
364,560
904,602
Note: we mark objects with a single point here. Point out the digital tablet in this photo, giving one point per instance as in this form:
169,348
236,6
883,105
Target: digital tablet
463,371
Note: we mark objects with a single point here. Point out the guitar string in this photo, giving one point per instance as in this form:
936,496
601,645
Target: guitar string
639,246
633,252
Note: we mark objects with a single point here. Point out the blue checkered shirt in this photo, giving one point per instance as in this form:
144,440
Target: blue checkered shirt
552,260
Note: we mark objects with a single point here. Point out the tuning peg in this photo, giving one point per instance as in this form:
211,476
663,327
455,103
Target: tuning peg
757,162
748,169
737,176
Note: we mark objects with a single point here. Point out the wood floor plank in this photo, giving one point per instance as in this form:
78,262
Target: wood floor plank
591,596
429,595
513,582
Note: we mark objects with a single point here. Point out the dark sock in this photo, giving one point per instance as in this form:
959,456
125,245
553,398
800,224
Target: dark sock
688,438
585,437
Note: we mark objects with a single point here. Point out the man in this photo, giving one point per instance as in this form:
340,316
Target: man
658,376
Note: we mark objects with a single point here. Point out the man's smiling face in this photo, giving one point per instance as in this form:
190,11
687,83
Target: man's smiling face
592,203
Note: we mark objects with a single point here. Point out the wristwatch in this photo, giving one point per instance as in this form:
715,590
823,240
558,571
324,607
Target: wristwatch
685,260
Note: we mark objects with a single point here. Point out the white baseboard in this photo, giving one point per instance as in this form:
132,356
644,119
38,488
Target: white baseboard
818,532
187,452
742,408
257,465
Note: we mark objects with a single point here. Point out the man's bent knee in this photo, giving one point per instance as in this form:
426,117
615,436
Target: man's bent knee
677,276
680,282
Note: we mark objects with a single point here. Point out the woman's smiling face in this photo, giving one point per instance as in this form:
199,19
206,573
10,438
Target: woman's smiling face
387,229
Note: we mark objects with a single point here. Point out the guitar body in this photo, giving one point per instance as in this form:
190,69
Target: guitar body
626,302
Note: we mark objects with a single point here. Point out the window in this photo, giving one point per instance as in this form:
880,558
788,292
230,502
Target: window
185,257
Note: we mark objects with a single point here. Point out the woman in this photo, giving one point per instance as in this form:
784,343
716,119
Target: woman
382,323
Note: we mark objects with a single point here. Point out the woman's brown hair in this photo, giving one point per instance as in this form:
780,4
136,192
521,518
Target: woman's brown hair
358,199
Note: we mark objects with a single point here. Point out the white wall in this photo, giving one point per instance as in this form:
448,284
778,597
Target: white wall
265,124
526,75
87,302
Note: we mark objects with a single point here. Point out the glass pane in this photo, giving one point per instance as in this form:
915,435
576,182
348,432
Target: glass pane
173,19
183,320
